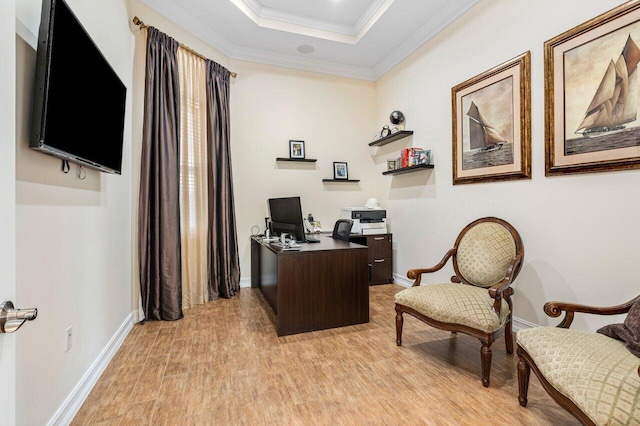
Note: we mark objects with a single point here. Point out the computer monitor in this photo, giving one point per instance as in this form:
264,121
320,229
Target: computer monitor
286,216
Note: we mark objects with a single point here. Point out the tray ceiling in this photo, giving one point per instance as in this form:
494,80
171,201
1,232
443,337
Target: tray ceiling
354,38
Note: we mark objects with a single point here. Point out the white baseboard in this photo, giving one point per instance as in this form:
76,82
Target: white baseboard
76,398
402,280
245,282
520,324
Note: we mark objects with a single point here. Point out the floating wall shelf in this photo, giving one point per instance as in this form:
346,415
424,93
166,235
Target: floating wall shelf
341,180
393,137
298,160
408,169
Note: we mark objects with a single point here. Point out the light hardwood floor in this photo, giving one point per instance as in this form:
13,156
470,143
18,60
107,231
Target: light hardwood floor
224,365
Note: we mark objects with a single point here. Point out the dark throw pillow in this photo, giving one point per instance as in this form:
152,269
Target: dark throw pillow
628,332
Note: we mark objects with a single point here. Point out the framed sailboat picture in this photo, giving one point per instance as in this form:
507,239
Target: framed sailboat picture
492,124
591,95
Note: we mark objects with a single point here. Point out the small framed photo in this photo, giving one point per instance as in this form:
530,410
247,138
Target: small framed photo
340,171
391,165
296,149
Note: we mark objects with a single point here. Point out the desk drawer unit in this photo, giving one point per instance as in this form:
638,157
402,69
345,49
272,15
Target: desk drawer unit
380,261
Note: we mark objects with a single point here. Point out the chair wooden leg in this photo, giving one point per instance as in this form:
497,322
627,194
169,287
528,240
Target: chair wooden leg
485,358
508,336
399,323
523,381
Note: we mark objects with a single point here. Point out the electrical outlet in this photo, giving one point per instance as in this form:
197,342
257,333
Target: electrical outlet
69,338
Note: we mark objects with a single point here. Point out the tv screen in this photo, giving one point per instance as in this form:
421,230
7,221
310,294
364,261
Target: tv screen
79,100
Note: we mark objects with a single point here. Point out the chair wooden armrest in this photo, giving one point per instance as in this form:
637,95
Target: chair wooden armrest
602,366
503,288
554,309
416,274
496,289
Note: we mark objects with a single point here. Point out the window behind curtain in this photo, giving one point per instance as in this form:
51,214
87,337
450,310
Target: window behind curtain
193,177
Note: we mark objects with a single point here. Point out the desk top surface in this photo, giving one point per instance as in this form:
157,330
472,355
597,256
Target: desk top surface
326,243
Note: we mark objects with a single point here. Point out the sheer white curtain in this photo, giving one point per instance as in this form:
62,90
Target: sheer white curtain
193,177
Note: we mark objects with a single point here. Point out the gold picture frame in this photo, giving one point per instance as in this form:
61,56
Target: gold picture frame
591,95
492,124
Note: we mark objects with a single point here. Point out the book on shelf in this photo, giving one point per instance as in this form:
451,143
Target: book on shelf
414,156
422,156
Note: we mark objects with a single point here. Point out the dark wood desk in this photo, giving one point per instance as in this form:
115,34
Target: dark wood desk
323,285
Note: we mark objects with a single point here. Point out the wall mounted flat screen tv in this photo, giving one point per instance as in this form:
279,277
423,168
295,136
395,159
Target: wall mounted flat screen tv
79,100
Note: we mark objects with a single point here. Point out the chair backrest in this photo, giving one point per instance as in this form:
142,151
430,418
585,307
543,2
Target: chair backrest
484,250
342,229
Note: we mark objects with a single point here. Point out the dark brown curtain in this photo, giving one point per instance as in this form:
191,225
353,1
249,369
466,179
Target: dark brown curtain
224,261
159,215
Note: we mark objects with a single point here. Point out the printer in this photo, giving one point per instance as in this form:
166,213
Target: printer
366,221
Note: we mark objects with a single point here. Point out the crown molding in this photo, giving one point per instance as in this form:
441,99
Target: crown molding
262,12
290,23
171,11
257,12
275,19
370,16
429,30
202,31
302,63
373,18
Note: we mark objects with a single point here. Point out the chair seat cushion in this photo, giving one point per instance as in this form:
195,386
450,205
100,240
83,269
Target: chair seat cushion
596,372
455,304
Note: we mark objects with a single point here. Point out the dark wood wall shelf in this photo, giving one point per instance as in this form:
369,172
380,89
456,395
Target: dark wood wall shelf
341,180
298,160
393,137
408,169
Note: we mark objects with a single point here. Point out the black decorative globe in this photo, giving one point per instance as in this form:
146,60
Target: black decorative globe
396,117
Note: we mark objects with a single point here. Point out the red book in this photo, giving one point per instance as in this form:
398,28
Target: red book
405,157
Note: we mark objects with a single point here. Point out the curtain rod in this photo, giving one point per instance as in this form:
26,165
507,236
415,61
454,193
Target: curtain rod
137,21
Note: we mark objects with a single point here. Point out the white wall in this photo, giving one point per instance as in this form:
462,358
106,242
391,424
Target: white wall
7,204
75,249
333,115
269,106
581,233
568,230
73,256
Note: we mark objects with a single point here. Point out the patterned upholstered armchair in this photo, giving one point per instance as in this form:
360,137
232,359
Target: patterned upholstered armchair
592,376
487,257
